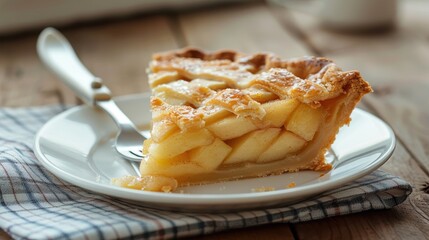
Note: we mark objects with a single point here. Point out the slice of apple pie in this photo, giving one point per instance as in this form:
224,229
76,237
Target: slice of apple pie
225,115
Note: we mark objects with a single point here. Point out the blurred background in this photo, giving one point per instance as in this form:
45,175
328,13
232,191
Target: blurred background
21,15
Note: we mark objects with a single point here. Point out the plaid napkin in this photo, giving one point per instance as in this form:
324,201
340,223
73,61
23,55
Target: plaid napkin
34,204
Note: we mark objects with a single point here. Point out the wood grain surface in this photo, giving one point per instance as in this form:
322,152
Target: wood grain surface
395,62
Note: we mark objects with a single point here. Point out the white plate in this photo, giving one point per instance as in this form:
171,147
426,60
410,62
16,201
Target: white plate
76,146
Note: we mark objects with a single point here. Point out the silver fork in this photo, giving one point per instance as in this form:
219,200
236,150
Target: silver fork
58,55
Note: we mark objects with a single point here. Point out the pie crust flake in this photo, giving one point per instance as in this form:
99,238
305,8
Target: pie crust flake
225,115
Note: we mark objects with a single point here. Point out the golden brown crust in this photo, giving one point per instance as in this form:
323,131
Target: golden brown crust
185,117
235,101
308,79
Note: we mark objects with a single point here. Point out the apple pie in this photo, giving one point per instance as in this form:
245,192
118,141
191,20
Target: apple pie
225,115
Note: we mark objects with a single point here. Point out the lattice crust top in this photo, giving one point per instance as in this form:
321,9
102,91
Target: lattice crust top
187,81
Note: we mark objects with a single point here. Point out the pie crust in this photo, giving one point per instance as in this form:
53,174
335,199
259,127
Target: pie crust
226,115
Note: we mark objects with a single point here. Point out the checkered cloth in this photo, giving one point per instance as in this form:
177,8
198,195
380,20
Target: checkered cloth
34,204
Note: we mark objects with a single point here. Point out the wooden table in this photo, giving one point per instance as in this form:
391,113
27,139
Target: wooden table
396,63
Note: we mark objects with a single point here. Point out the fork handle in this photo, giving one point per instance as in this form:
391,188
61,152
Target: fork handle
58,55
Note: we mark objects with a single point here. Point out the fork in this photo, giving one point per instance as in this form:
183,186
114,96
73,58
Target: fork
58,55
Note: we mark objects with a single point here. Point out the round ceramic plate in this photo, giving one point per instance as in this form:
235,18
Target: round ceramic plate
77,147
